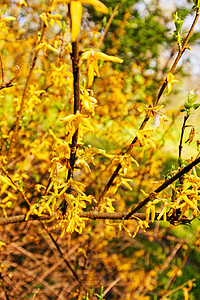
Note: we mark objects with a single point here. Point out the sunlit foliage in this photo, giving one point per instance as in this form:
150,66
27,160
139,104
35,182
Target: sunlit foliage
83,137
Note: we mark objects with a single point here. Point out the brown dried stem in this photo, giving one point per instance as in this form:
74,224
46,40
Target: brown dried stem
146,119
62,255
179,268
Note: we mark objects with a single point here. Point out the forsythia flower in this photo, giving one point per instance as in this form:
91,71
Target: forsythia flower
170,80
92,58
76,12
45,46
5,19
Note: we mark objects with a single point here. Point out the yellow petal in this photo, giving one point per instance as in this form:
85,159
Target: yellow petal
98,5
85,55
103,56
9,18
170,77
70,118
169,86
190,203
43,16
153,213
39,46
51,48
87,124
76,12
90,75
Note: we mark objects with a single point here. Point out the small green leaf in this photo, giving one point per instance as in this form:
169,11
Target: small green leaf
195,106
4,9
188,105
63,26
183,109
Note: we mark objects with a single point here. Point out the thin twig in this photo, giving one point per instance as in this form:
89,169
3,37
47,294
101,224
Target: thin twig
179,268
111,286
17,187
181,144
170,257
146,119
108,25
181,139
164,185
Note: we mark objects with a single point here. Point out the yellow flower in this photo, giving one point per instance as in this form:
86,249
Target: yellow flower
92,58
6,19
76,12
52,18
170,80
45,46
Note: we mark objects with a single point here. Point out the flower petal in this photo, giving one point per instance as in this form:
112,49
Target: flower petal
76,12
98,5
90,75
9,18
103,56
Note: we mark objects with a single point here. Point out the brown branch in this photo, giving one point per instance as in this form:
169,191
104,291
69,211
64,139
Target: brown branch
146,119
75,66
108,25
181,145
93,215
181,139
171,256
19,114
89,214
164,185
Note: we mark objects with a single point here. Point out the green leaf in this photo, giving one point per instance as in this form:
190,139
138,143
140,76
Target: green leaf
195,106
4,9
63,26
188,105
